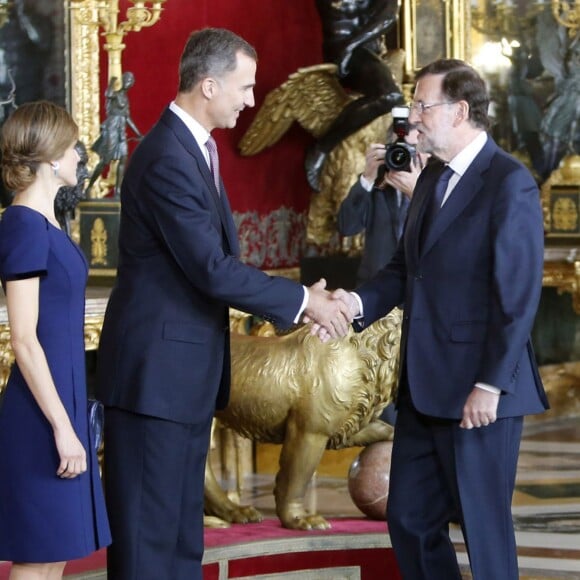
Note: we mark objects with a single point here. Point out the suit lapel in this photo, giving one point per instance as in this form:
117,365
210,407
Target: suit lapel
229,225
462,195
188,142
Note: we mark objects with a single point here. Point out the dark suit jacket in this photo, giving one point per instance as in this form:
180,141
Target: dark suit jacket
471,292
377,214
164,348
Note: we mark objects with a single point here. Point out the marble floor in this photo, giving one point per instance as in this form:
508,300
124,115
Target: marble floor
546,505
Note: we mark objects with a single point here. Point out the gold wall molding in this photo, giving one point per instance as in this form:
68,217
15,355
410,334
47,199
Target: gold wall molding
84,71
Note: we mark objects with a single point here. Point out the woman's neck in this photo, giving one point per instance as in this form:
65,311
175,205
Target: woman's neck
39,197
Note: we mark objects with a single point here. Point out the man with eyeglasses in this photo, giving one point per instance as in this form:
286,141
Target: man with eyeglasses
470,273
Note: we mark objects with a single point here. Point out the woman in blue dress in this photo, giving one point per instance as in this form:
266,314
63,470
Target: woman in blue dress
51,501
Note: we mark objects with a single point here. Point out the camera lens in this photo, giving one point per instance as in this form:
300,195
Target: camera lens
398,157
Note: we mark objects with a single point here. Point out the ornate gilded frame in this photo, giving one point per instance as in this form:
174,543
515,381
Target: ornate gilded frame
447,22
84,68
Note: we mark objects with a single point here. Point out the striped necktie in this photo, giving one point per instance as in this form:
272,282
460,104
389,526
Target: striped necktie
214,161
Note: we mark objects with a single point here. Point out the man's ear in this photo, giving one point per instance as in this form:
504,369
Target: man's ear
208,87
462,111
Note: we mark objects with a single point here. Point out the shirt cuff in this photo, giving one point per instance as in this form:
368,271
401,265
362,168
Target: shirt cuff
366,184
303,307
360,305
488,388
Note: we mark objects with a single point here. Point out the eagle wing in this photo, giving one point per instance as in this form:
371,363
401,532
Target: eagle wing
311,96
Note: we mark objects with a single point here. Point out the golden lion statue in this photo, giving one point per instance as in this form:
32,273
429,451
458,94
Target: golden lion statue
307,396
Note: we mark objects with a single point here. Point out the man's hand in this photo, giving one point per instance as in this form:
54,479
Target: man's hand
331,317
349,300
404,181
374,158
350,303
480,409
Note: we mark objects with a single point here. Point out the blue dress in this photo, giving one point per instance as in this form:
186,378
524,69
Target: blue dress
44,518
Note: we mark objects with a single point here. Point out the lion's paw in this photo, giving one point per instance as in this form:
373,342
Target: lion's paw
245,514
307,522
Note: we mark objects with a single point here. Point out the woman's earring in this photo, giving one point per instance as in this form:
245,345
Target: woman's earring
55,167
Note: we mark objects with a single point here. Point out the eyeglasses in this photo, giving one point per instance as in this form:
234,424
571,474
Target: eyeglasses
420,107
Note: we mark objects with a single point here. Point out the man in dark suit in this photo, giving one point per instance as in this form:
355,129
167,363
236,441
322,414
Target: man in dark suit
470,273
378,208
164,356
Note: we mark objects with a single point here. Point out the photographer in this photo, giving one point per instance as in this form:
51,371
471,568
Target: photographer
378,206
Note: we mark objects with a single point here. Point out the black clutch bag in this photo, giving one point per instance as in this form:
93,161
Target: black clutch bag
96,423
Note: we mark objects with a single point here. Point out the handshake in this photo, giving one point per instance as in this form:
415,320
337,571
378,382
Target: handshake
329,313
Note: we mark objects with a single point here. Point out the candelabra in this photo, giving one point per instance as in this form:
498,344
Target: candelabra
567,13
104,14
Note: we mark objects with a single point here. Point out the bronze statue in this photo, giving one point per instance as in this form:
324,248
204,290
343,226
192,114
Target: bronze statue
306,396
560,55
112,144
353,39
525,112
67,197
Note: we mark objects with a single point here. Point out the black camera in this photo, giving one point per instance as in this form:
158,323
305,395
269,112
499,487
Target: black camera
399,155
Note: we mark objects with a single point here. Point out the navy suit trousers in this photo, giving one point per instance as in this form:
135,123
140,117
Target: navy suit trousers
154,479
441,473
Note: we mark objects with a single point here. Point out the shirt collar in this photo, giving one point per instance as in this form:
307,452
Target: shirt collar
199,133
465,157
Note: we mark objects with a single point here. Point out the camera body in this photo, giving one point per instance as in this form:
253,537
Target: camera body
399,155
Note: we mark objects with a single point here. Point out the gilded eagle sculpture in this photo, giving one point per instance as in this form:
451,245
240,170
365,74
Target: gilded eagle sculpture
307,396
313,97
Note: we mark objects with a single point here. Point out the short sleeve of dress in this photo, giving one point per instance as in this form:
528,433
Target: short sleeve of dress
24,244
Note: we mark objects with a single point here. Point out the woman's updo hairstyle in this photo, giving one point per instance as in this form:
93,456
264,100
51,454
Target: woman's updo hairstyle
35,133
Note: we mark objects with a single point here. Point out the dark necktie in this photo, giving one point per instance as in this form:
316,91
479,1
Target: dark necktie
436,201
440,188
214,161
